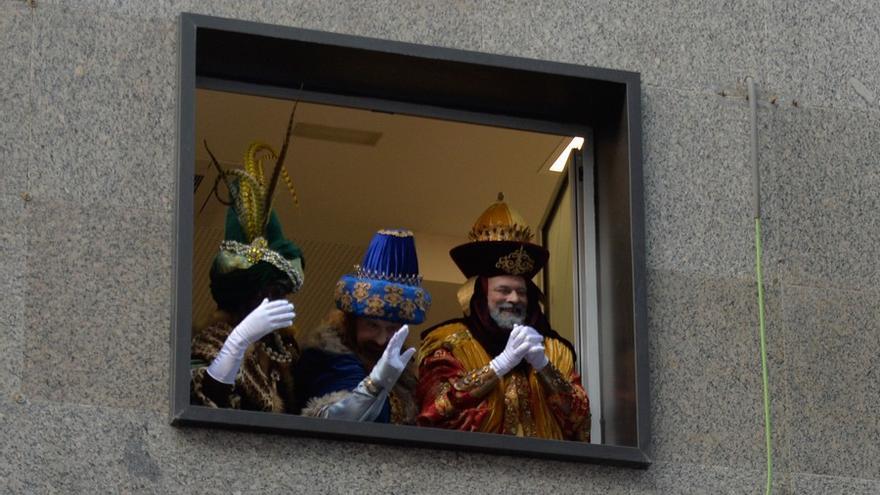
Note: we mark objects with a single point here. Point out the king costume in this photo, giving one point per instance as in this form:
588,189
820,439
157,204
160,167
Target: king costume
337,379
459,387
245,358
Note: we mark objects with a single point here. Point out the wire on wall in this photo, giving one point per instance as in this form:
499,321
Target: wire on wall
756,190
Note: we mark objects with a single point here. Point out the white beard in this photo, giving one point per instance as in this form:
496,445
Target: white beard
506,320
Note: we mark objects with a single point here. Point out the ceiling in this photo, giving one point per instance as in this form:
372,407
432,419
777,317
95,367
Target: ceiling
427,175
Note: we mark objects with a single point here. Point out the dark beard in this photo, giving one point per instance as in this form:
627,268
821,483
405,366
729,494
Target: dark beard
370,354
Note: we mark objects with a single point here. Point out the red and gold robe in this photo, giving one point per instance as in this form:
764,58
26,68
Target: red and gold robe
458,390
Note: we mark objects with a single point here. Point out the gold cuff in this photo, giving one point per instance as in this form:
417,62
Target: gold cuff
372,387
478,382
552,379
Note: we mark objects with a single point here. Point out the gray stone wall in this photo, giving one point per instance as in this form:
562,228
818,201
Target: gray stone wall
86,186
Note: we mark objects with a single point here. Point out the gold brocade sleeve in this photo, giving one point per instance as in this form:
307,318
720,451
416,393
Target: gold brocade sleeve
456,387
564,395
458,390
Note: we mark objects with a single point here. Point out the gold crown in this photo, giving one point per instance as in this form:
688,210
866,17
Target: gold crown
500,223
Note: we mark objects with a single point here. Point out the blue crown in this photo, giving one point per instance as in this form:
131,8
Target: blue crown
387,283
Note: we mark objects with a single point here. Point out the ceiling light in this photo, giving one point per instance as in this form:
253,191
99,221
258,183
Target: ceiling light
336,134
562,159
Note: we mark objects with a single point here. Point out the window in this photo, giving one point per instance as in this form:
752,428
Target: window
396,135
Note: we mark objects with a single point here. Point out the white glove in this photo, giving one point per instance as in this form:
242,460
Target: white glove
535,355
392,363
265,318
513,353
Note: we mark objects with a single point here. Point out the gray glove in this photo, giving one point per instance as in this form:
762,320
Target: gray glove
360,405
265,318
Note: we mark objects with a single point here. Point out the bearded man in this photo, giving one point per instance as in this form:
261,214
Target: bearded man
501,368
353,366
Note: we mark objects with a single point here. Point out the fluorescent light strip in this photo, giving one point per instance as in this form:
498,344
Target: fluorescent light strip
559,164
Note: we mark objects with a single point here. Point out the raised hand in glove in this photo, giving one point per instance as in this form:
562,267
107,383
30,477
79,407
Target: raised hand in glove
268,316
535,355
514,351
392,363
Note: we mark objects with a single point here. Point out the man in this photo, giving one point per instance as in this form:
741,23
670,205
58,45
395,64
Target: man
501,368
352,366
244,359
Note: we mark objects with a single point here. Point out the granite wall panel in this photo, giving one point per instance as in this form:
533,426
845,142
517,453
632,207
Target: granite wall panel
278,464
80,449
698,183
808,484
104,109
813,49
833,373
12,252
97,305
821,196
88,107
16,38
60,448
698,46
706,404
448,23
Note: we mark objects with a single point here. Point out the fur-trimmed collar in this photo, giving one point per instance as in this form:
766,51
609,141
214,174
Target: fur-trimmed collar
316,405
326,337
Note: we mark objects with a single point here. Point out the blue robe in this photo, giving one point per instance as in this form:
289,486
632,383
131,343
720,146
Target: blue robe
321,372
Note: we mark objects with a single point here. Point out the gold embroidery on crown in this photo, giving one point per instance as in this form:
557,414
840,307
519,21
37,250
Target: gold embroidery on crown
513,232
421,302
407,309
346,302
375,306
250,254
393,295
400,278
516,263
256,249
361,290
397,233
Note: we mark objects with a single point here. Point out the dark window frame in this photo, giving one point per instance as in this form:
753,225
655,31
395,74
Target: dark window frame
254,58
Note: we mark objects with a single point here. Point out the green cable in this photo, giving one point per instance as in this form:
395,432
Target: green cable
764,372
